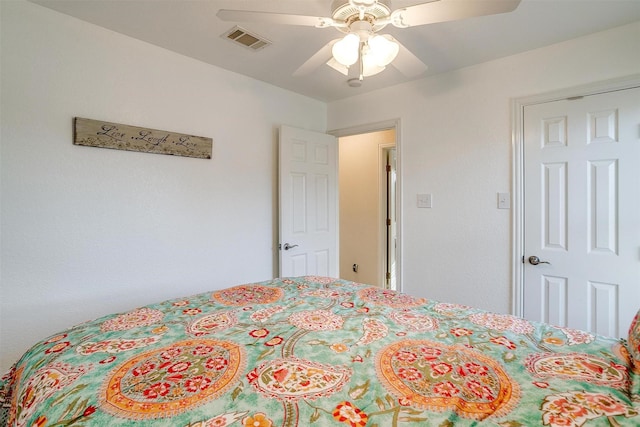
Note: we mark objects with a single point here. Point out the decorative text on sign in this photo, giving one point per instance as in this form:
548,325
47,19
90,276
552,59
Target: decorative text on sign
95,133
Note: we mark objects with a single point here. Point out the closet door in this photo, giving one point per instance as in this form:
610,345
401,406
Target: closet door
581,217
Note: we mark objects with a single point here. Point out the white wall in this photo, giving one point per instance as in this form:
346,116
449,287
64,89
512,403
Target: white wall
89,231
455,142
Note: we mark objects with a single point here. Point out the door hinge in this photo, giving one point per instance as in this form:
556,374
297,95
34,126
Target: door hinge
388,222
388,168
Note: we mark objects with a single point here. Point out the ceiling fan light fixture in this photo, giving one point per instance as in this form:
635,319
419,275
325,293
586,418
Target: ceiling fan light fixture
345,51
370,67
382,49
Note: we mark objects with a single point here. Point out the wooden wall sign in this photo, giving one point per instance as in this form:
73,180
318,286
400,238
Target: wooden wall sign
95,133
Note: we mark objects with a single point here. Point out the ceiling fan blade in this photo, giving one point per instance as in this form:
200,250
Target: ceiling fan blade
407,63
275,18
449,10
318,58
342,69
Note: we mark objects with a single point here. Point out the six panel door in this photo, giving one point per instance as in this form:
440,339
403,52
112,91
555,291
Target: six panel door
582,212
308,203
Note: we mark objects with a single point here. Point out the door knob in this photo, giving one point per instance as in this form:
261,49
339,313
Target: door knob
288,246
534,260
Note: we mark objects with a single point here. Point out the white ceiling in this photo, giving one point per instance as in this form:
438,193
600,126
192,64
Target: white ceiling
191,28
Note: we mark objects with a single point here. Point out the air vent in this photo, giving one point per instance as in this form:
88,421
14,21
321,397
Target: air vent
246,39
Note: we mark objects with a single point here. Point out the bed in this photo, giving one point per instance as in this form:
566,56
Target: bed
316,351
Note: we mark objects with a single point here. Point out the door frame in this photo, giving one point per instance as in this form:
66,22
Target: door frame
517,141
383,228
375,127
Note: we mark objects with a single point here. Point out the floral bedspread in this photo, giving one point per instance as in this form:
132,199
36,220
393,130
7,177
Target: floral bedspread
314,351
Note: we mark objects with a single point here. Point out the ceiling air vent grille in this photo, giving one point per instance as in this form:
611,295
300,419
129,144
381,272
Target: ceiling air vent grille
246,39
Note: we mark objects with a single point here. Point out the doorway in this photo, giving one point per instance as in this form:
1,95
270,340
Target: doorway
367,187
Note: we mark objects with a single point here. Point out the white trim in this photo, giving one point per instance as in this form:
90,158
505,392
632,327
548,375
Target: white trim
366,128
517,138
382,210
374,127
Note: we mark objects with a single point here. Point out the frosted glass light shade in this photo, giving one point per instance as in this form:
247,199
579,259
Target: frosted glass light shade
383,49
369,65
345,51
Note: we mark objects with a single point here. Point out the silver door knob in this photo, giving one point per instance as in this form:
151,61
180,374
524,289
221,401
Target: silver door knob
288,246
534,260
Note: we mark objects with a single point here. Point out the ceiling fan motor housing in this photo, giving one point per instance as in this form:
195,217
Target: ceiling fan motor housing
345,11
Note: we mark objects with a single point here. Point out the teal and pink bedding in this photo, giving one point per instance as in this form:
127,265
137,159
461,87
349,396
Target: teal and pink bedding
314,351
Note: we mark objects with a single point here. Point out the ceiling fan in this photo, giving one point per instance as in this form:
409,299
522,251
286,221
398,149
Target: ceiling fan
361,21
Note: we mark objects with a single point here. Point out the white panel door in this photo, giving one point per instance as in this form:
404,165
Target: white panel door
582,212
308,203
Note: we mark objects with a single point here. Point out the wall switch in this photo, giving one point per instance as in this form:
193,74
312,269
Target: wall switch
504,201
424,200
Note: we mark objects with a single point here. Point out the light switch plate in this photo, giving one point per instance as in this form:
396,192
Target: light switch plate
424,200
504,200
